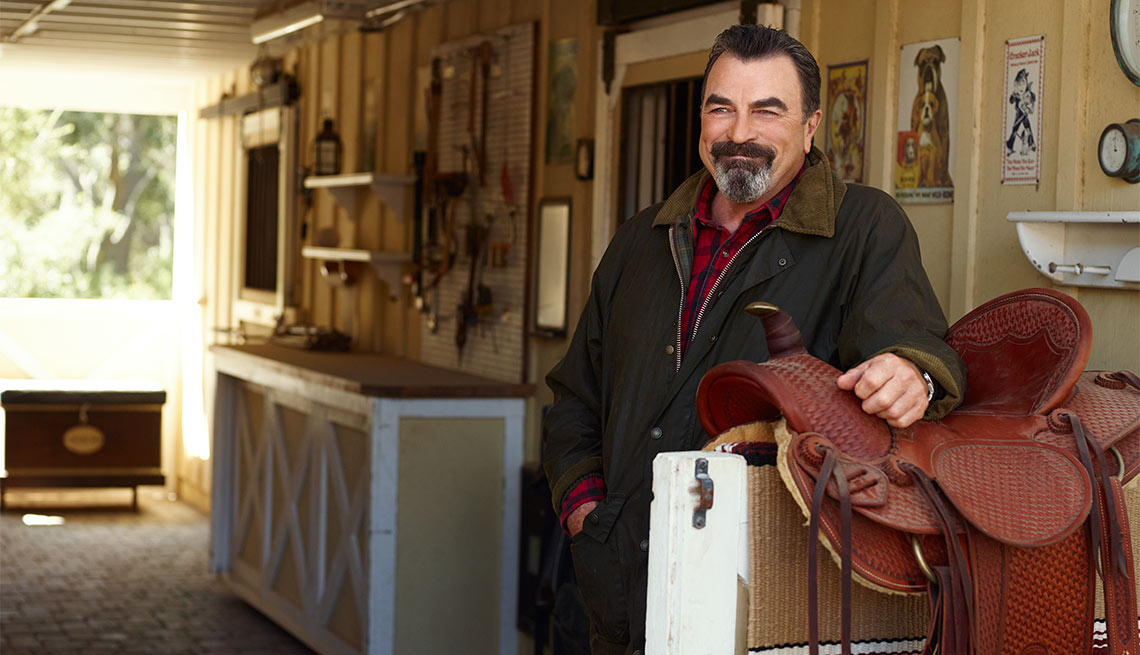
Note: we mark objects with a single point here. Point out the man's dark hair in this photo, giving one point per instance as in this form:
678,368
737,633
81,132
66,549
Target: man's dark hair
753,42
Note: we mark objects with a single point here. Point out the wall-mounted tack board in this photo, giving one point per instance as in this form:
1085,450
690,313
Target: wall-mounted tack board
495,347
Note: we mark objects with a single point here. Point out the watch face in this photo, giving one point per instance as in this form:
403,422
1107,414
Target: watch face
1125,22
1113,150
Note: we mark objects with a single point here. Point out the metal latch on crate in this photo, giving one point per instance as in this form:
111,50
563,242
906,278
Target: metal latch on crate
704,493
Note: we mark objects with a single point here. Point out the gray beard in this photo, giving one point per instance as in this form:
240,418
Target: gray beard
740,182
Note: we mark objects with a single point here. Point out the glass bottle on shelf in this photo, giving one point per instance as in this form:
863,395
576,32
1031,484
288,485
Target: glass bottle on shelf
327,149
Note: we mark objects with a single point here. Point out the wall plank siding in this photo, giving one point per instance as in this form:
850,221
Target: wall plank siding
971,252
397,160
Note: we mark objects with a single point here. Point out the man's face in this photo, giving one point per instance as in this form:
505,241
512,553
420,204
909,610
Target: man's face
753,136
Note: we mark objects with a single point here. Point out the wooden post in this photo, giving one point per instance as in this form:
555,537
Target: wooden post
698,577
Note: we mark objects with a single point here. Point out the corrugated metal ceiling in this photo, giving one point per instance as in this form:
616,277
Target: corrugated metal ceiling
178,37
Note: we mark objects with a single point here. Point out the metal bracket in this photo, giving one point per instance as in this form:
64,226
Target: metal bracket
704,493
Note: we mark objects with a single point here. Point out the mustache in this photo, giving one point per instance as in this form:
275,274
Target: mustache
749,149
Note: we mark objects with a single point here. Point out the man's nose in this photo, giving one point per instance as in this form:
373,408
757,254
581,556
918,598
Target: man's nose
741,130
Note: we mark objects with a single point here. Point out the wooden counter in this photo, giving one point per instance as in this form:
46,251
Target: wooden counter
366,374
368,503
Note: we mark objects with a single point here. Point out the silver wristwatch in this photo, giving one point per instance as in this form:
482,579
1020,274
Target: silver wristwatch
929,386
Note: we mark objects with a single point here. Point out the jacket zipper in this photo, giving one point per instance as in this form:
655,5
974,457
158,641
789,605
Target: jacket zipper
712,291
681,305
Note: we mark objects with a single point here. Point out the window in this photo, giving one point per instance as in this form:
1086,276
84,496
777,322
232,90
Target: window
87,204
264,232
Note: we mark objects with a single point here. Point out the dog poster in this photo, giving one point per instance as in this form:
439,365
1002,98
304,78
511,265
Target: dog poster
847,119
928,94
1021,128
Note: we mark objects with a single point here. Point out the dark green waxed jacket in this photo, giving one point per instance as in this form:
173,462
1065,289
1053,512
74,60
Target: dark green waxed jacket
843,260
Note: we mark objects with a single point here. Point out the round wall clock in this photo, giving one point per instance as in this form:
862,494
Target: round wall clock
1119,151
1124,21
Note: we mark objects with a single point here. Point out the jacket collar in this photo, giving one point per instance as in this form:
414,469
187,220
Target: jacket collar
811,208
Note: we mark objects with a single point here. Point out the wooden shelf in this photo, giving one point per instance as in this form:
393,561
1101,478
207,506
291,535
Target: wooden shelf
386,264
283,92
346,189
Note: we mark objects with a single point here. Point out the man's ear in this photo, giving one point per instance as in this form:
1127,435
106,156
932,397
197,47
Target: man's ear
811,125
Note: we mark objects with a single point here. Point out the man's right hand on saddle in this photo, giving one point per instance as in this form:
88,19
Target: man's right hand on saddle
890,387
578,517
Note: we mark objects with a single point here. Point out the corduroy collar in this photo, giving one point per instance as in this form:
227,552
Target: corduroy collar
811,208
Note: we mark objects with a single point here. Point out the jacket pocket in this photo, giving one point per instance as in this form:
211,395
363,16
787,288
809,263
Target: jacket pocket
597,565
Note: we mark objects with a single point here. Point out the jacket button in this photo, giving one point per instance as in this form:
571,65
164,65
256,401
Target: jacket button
645,545
655,433
712,338
594,518
636,652
782,262
669,350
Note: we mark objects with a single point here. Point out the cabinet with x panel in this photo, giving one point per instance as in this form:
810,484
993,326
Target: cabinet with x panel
361,499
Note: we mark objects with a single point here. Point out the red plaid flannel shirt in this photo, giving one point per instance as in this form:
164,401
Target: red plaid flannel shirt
709,239
714,247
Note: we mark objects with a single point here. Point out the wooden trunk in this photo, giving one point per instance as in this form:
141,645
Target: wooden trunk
82,434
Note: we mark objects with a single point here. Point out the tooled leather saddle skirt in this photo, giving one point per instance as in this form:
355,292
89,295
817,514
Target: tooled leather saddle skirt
1005,511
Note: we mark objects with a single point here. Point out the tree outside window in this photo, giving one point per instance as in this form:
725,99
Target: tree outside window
86,204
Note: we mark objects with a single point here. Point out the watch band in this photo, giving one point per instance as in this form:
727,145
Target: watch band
929,386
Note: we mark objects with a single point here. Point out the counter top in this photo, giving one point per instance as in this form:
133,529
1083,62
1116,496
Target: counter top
368,374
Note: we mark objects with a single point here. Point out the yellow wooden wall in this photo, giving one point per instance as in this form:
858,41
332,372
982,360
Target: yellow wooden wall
970,250
360,81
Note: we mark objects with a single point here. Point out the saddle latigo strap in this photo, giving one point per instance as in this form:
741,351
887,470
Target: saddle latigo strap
995,496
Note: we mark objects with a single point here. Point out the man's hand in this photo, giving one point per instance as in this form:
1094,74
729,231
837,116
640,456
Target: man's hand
891,387
578,516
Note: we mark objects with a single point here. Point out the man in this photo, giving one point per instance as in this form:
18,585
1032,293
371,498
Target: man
767,221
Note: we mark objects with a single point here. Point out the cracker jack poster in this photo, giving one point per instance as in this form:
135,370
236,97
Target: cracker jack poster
1021,128
847,119
928,97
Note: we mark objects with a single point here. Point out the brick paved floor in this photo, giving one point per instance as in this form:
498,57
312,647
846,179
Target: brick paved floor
112,581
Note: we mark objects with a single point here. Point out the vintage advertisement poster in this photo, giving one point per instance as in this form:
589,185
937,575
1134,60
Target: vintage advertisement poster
928,96
847,119
1024,76
562,72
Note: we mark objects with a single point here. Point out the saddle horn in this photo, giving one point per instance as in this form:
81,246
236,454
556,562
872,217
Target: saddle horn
784,339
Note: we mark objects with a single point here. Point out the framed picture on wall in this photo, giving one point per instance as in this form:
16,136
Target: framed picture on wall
552,268
1021,125
846,129
927,125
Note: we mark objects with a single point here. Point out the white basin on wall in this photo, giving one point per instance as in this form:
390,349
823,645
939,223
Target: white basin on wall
1084,249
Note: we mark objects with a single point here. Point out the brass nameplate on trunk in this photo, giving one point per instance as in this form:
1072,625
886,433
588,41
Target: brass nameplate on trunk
84,439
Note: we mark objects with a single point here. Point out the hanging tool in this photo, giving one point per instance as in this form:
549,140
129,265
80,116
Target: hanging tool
480,67
508,191
475,164
440,192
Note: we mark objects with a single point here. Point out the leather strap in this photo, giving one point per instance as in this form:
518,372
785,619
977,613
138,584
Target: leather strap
956,585
1119,586
830,469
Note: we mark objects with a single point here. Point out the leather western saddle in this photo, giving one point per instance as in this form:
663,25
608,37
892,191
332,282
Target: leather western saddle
1004,512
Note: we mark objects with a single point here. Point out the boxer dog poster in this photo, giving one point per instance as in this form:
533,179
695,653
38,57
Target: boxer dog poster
928,96
847,119
1021,127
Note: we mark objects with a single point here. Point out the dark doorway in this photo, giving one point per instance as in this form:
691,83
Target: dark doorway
660,125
